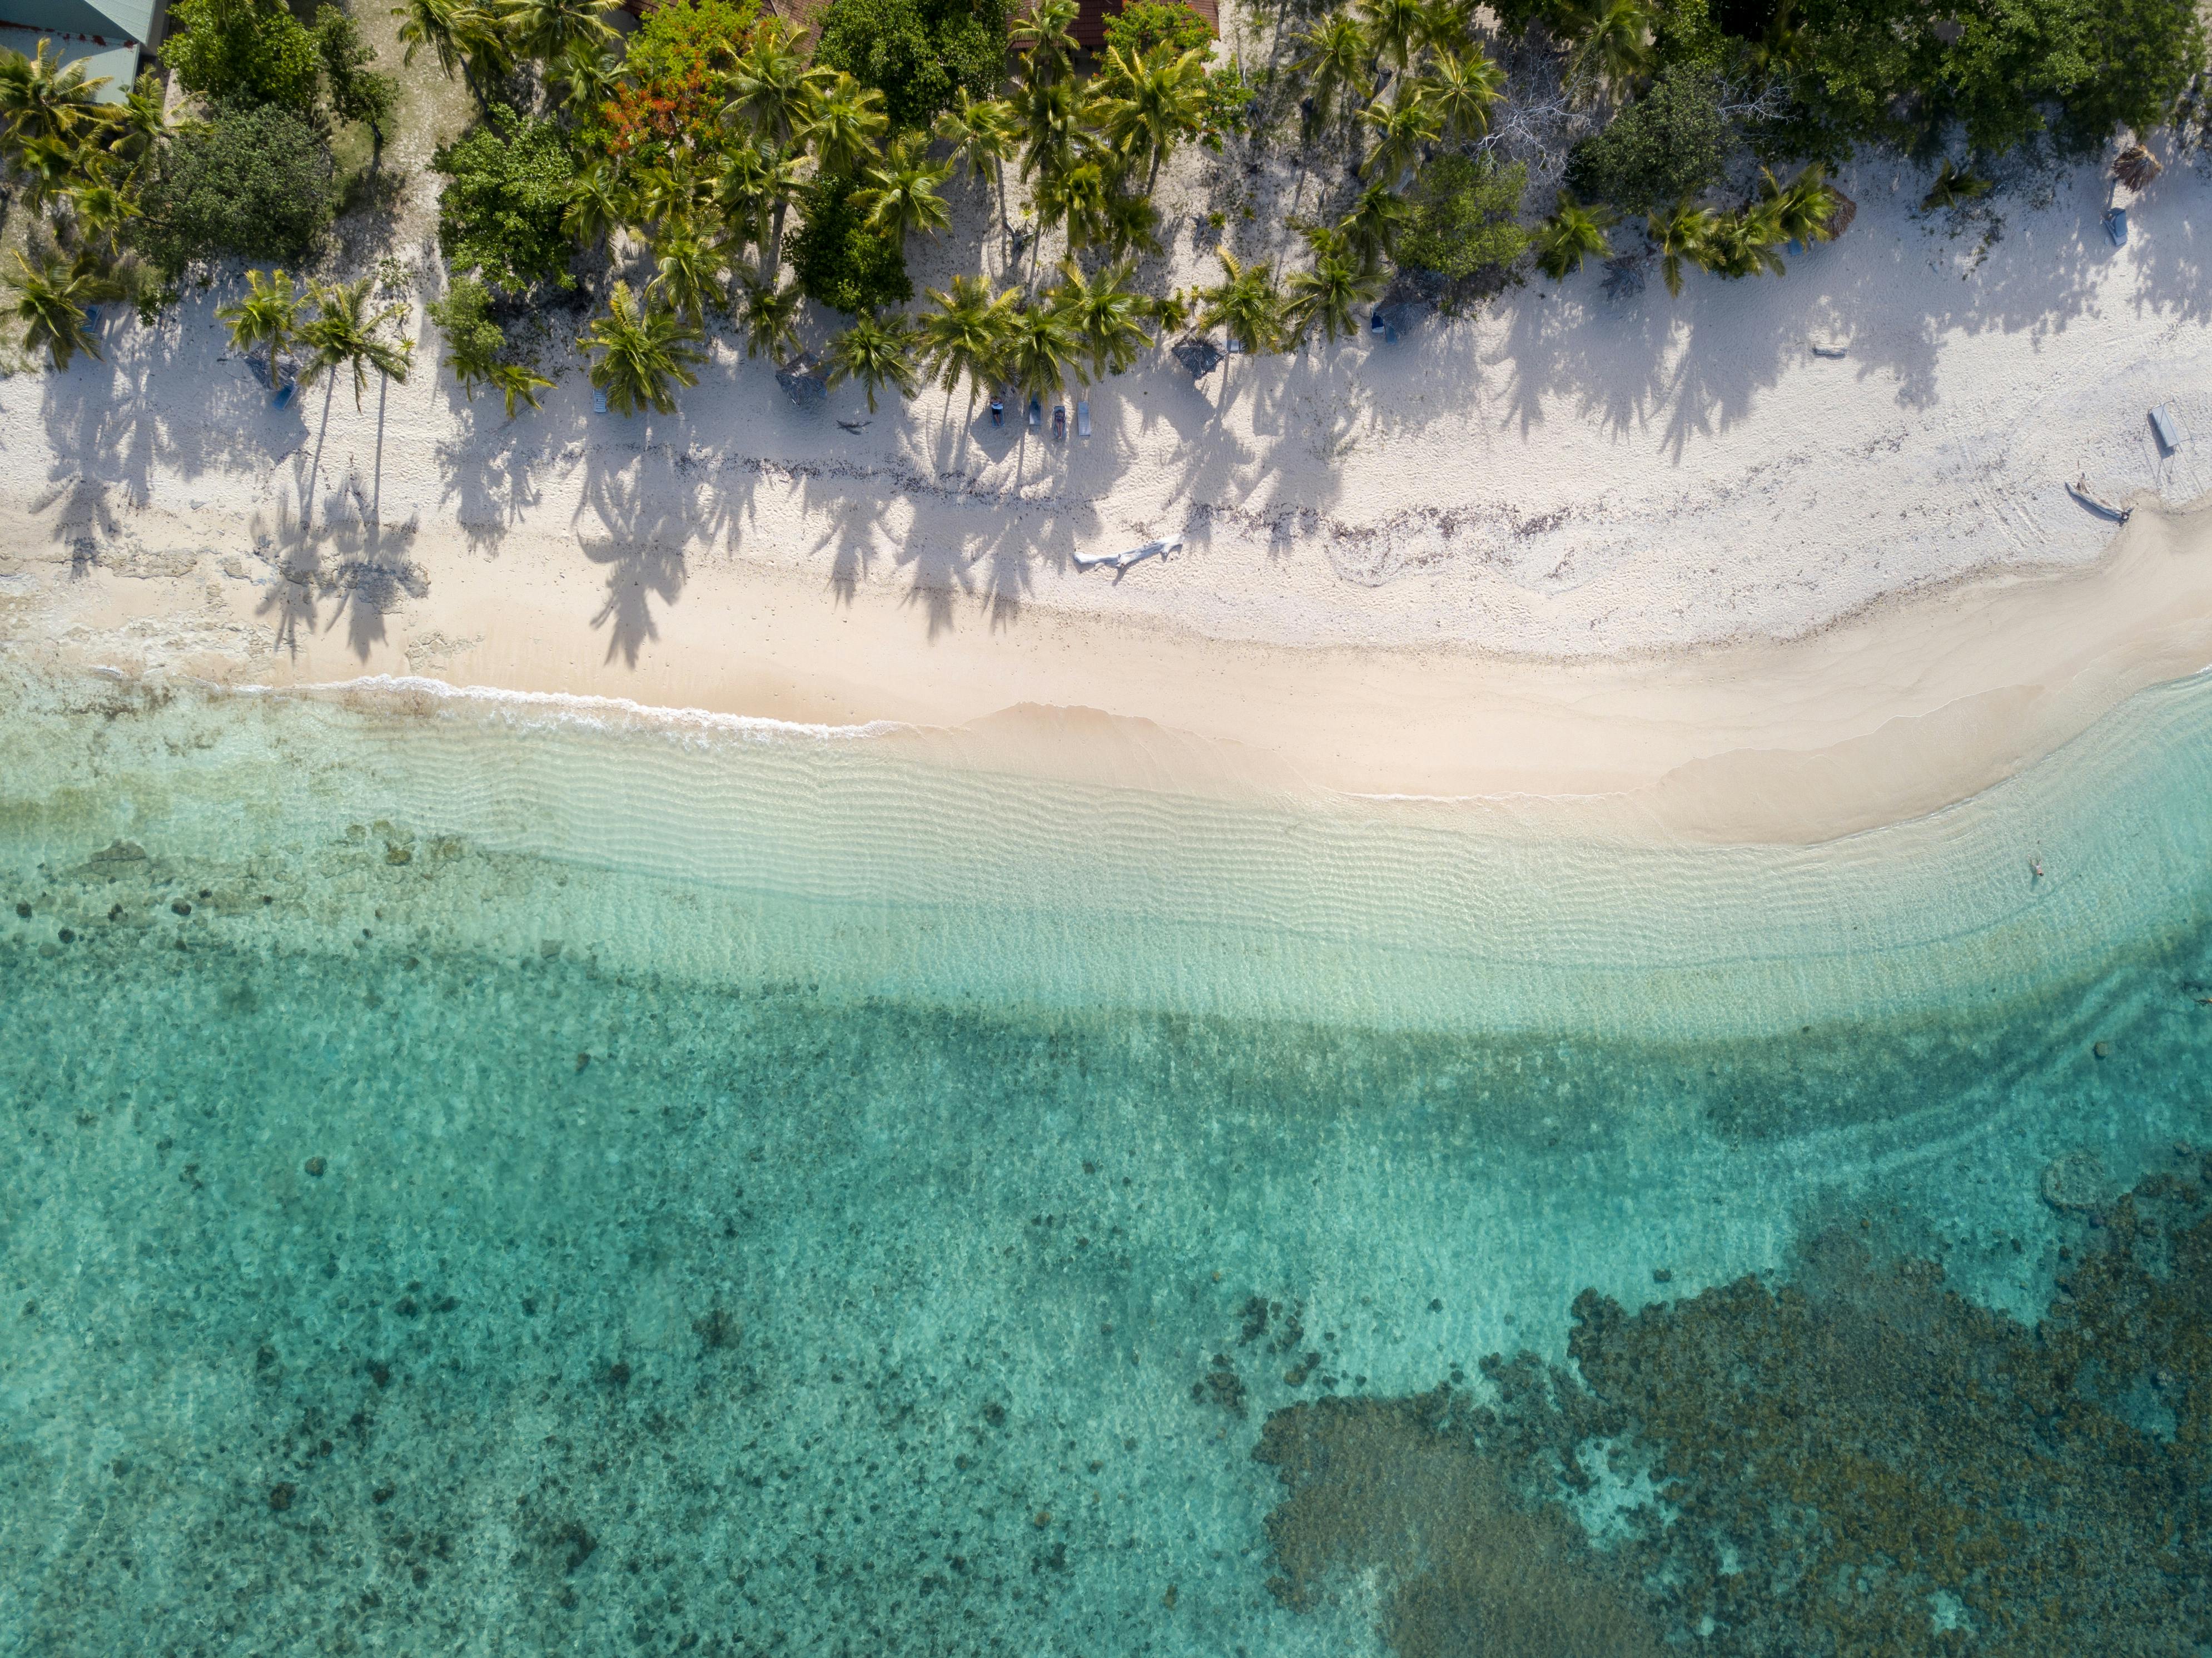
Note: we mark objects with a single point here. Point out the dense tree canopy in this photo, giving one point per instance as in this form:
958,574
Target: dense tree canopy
243,51
252,182
507,188
840,260
918,53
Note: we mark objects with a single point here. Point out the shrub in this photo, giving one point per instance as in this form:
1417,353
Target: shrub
243,51
840,261
1463,219
1143,24
1227,94
355,92
918,53
255,182
500,213
670,95
2141,62
1664,147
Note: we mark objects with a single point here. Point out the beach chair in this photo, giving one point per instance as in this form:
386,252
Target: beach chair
1082,417
2164,426
2115,225
283,399
598,400
1037,412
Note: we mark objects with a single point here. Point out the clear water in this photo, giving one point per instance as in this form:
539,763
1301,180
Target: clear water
489,1177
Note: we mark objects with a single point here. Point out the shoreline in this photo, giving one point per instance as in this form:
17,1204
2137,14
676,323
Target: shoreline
1912,705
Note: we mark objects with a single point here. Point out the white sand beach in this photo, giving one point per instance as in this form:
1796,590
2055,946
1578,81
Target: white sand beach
1658,549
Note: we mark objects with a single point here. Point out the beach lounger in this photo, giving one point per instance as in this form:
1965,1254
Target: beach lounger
598,400
1037,412
285,393
1060,422
2115,225
1158,549
2162,424
1082,417
2079,491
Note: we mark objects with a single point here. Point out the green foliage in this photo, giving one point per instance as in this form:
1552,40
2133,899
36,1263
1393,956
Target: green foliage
253,182
1665,147
499,215
684,36
243,51
841,261
1463,222
2141,58
473,340
669,93
1227,95
918,53
355,92
1143,24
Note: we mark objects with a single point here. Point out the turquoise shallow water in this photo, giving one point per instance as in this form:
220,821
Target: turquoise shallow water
484,1177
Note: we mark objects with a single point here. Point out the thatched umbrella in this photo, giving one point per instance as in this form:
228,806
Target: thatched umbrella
1847,209
2135,167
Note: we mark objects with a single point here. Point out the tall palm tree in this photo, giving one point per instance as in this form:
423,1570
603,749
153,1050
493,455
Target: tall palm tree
1613,41
966,334
587,74
844,123
517,382
1372,226
771,87
1402,126
548,29
53,298
1054,135
139,123
1129,223
1042,349
1573,234
759,182
1046,40
463,36
1329,293
1154,104
1077,199
1746,243
1394,30
1333,59
1446,25
267,318
1684,231
598,205
643,352
687,274
1106,312
50,165
901,196
42,97
1461,89
344,334
1245,303
980,130
771,320
877,351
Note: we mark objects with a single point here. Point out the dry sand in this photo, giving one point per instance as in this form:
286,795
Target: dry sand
1659,551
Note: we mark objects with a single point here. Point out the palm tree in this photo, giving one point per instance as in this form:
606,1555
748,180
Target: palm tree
966,334
643,350
1805,207
1245,304
587,76
140,122
686,273
550,29
1046,40
771,320
980,130
1042,349
1954,186
760,182
1077,199
1401,128
1055,136
52,302
1372,226
771,87
517,382
1747,243
1130,224
1335,59
50,166
1573,234
1614,41
1684,231
877,351
1394,30
1461,90
1446,25
598,205
98,210
41,97
344,333
1156,101
267,318
462,35
1331,291
1106,312
902,194
844,122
